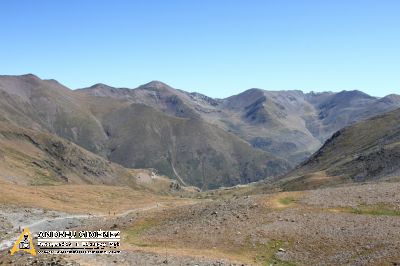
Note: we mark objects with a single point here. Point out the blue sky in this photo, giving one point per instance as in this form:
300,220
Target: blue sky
215,47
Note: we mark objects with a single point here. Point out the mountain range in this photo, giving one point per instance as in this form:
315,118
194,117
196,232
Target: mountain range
193,138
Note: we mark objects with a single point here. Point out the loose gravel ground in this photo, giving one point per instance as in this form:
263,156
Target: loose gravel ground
351,225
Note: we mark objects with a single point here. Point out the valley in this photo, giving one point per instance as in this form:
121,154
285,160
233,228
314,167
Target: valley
199,133
258,178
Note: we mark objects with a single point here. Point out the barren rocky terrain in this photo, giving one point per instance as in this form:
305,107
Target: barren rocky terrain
351,225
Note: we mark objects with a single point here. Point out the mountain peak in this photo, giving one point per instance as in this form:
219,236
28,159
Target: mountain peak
30,76
100,86
104,90
354,93
253,90
155,85
391,98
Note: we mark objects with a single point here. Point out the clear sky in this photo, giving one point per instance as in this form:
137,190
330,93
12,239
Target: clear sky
215,47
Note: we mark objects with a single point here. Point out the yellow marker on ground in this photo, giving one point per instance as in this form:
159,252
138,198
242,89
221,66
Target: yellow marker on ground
24,243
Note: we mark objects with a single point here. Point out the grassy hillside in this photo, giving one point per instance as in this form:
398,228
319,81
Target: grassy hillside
369,150
36,158
48,106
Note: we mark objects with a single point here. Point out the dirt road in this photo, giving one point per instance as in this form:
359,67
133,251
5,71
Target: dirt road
63,222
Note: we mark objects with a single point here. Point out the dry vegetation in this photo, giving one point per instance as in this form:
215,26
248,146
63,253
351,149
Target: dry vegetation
78,198
289,228
283,228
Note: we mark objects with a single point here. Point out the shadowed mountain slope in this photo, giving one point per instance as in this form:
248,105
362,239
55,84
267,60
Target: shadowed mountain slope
190,150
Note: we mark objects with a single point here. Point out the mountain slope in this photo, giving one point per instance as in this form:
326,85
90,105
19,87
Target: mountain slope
46,105
199,140
347,107
125,127
368,150
189,149
289,124
273,121
292,124
37,158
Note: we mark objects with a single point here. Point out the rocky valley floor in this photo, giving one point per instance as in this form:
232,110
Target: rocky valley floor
349,225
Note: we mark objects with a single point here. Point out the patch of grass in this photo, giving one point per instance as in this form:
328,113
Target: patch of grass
267,254
377,210
132,235
287,201
263,253
18,155
43,179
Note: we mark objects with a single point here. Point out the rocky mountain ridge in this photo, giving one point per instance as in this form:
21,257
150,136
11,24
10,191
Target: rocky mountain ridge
189,136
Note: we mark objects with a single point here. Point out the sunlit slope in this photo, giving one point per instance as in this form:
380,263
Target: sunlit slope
36,158
366,151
